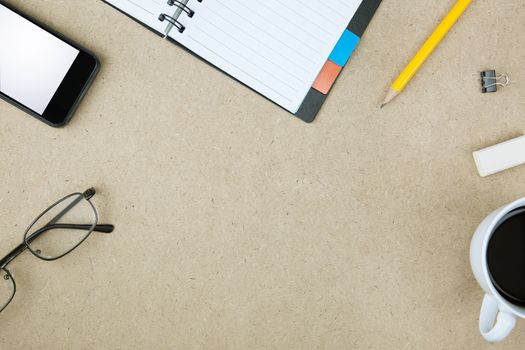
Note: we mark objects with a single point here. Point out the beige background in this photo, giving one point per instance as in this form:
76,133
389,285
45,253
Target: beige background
240,227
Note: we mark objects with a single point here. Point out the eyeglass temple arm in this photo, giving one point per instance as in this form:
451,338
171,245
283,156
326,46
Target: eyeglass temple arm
104,228
88,194
97,228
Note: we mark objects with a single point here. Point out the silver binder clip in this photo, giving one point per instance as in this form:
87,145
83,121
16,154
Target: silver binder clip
490,81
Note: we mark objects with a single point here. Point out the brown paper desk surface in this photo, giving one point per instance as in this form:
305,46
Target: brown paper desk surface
240,227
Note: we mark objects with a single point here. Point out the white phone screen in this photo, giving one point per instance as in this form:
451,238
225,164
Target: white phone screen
33,62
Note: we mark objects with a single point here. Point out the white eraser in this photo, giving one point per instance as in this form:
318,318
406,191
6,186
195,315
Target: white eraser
500,157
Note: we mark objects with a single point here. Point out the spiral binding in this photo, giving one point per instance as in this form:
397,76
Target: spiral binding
164,17
174,21
182,6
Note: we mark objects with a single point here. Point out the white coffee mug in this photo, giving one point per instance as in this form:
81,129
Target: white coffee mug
497,316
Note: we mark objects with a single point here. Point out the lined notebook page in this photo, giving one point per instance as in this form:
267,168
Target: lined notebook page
277,47
146,11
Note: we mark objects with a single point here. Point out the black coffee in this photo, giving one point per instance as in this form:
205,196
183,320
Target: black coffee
506,258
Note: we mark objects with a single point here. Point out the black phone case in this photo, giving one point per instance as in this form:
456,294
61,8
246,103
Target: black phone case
82,92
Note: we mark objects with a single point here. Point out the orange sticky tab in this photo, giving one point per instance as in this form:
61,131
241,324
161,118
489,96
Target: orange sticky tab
327,77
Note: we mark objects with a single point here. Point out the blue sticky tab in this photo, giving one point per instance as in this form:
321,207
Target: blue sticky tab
344,48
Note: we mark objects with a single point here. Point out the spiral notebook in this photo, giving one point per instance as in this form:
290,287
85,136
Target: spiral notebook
290,51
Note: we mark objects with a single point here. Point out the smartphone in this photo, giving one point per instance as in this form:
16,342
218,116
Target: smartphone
41,72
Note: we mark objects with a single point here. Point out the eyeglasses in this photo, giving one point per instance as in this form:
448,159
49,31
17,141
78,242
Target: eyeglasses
56,232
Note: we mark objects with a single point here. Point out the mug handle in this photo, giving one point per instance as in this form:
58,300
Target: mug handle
494,324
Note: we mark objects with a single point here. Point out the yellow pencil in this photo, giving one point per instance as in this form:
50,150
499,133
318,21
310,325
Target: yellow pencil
426,50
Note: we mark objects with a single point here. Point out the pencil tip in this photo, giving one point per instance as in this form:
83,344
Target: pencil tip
382,105
389,97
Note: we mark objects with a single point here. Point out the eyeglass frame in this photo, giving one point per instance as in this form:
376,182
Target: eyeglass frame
25,245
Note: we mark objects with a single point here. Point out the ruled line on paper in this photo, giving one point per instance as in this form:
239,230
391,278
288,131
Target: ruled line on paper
293,88
271,62
343,4
295,37
303,29
284,57
142,7
320,12
314,24
263,31
239,68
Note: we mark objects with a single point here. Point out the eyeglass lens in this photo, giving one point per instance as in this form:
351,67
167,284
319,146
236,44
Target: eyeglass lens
7,289
62,227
